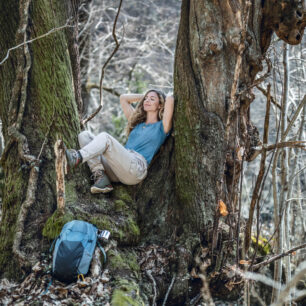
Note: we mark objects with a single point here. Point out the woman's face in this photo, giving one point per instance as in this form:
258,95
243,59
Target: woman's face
151,102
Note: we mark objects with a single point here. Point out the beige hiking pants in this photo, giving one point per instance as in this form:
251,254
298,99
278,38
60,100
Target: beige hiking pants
104,152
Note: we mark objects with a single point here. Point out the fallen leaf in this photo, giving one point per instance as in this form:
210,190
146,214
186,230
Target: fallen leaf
223,208
244,262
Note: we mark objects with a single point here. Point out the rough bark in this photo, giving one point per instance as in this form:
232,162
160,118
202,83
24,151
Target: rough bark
172,217
50,112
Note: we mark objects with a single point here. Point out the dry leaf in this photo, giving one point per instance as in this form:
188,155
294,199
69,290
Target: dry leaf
244,262
223,208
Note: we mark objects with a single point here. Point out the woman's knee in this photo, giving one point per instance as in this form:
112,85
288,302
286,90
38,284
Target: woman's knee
84,138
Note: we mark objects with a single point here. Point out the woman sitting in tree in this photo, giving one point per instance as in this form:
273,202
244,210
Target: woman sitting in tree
109,161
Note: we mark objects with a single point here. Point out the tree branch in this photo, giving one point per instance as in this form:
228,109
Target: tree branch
36,38
103,68
276,257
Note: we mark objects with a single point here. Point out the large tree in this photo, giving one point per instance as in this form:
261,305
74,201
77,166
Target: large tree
175,211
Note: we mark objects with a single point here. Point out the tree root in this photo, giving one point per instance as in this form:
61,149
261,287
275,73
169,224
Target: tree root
30,199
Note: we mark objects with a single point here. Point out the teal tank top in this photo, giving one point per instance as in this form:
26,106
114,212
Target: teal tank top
146,139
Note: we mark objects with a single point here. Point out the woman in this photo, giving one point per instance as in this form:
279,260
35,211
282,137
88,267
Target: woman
148,126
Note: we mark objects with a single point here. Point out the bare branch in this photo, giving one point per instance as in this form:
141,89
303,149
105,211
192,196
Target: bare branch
296,114
276,257
255,197
148,272
36,38
287,144
104,66
169,289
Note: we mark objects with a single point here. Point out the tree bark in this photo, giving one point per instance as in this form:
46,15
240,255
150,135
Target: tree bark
50,112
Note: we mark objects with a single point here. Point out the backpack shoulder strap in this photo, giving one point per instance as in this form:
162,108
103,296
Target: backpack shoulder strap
102,250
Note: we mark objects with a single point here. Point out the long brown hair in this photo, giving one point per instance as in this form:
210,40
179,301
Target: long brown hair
140,115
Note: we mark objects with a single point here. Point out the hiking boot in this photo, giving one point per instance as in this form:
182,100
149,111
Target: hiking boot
73,157
102,183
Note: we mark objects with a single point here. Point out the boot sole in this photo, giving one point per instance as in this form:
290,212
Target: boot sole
95,189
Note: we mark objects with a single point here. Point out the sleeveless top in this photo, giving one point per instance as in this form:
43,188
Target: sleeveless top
146,139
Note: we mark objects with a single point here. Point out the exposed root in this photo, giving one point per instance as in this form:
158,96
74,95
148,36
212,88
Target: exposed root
30,199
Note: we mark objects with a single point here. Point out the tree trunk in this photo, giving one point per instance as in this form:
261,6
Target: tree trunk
50,112
170,222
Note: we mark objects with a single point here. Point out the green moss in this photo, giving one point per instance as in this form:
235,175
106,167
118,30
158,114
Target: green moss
55,224
70,192
132,228
124,261
103,222
120,206
121,193
131,259
126,293
116,261
264,248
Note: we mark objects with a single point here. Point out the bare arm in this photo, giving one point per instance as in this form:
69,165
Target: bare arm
168,113
126,100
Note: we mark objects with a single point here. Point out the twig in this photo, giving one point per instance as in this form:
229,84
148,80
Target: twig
272,98
103,68
239,212
255,198
276,257
259,299
297,277
148,272
90,86
260,79
296,114
31,40
169,289
286,144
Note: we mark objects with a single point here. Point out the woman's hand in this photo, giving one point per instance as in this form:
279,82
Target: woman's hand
126,100
168,113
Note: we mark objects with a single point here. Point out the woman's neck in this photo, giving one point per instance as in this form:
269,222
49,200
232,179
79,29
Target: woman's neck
151,117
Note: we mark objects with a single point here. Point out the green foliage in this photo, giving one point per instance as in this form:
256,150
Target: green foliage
121,193
120,206
126,293
119,123
264,248
55,224
137,83
125,260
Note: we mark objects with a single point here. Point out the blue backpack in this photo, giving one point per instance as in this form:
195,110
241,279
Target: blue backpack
73,250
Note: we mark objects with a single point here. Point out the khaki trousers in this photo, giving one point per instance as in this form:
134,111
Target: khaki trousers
104,152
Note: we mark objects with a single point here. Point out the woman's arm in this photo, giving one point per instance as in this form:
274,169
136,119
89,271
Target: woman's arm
168,113
126,100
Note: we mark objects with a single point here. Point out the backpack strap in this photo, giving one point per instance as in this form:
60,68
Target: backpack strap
48,286
102,250
52,245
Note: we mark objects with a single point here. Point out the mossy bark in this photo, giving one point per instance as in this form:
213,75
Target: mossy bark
50,112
